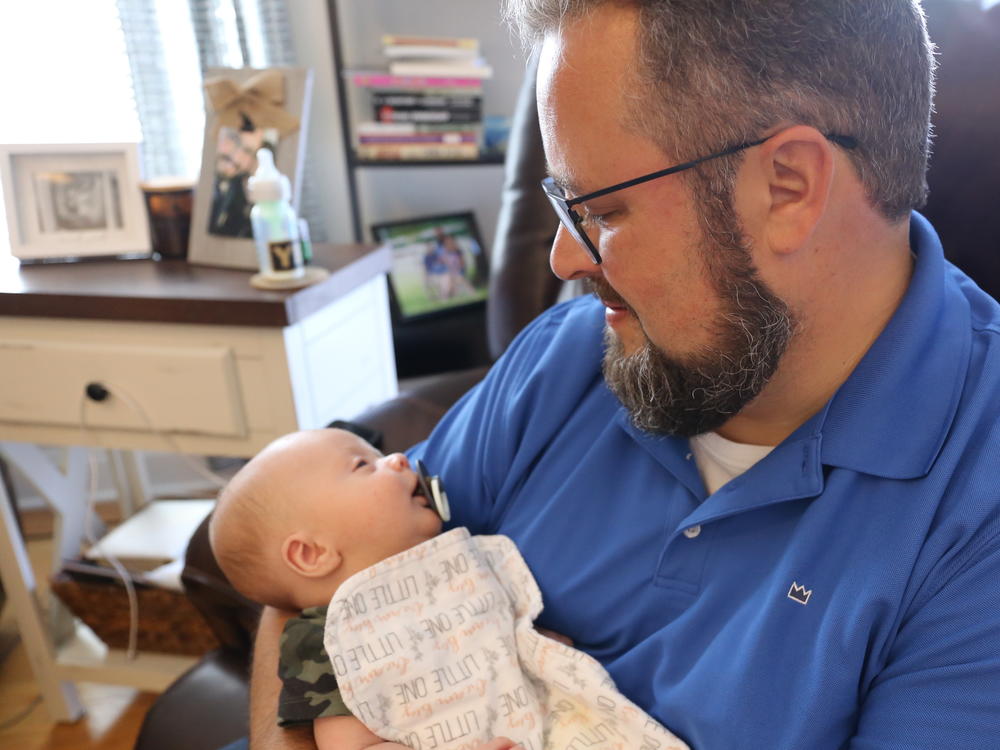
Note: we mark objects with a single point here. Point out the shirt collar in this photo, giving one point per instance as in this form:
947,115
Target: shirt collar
891,416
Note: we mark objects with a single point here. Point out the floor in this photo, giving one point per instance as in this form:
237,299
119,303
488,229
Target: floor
114,713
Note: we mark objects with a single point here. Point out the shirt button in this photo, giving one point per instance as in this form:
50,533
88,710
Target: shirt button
692,532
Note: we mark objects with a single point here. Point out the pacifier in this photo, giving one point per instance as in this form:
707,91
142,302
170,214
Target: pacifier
434,491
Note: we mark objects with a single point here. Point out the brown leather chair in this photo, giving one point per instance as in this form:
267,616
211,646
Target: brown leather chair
207,707
964,173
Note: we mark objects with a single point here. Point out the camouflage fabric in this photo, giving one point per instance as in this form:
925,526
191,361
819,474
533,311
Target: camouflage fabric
309,689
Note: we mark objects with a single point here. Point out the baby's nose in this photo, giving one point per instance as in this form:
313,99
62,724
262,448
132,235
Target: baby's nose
397,461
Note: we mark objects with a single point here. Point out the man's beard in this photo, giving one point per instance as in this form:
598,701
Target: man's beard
665,395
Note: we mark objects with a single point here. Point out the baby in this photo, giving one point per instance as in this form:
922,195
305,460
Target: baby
424,638
308,512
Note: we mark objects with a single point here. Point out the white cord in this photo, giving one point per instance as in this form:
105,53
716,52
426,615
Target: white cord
115,389
88,532
133,601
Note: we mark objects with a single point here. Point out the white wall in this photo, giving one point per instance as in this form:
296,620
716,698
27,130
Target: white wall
324,150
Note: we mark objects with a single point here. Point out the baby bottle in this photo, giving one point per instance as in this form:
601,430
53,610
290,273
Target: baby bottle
275,225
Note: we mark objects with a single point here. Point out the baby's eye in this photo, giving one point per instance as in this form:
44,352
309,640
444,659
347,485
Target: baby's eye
359,464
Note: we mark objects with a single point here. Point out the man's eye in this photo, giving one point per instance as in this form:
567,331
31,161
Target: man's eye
599,219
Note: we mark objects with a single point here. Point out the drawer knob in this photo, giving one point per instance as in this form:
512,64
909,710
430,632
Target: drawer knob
97,392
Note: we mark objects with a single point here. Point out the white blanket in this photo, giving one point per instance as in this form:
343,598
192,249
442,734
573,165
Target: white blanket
435,648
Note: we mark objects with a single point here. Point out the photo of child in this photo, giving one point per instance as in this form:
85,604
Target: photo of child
438,263
78,201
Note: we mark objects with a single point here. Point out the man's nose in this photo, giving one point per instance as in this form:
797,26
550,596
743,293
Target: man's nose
568,259
397,462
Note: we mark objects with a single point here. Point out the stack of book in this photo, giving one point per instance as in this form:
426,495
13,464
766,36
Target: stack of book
429,105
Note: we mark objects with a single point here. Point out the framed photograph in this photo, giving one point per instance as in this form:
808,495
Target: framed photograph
246,109
73,201
438,264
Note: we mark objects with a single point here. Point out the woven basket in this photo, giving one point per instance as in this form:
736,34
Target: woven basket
168,623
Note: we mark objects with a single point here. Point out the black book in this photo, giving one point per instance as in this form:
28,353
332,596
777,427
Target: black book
427,116
425,100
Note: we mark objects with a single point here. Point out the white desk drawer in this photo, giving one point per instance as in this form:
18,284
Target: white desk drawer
192,390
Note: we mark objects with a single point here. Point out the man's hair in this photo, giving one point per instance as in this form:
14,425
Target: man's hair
730,69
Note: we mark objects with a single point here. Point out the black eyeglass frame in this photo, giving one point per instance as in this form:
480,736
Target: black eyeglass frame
572,220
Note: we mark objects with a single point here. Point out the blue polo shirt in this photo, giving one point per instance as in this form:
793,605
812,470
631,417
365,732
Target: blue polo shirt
843,592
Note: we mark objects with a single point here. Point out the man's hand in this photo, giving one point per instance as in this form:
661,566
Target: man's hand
348,733
565,640
500,743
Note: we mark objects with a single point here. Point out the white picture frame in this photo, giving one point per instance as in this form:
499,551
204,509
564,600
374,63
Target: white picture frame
212,247
67,201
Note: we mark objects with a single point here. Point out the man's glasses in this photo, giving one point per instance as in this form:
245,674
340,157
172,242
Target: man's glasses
573,222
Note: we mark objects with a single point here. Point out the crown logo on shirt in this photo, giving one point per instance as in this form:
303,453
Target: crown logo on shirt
799,594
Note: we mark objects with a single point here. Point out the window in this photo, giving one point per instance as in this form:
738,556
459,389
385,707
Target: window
129,70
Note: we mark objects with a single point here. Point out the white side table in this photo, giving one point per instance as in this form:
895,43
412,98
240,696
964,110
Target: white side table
194,360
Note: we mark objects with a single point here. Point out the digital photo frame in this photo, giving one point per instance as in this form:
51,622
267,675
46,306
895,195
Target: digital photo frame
438,264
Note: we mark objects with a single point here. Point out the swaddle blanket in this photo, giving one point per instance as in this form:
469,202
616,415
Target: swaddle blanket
435,648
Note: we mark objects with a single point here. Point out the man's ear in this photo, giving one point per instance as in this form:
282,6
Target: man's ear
799,169
309,556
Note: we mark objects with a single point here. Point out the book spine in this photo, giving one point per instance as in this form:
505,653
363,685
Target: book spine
445,42
389,81
392,114
433,68
429,138
425,100
409,128
429,52
418,152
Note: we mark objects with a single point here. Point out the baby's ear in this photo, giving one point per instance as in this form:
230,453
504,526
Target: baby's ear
308,556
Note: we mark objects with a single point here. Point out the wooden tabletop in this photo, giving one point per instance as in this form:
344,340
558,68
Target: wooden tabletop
174,291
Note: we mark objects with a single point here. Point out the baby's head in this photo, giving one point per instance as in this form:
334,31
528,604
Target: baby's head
312,509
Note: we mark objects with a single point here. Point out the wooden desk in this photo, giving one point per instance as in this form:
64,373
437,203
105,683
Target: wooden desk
195,360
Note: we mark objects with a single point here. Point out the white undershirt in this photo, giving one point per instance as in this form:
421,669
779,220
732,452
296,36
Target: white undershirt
720,460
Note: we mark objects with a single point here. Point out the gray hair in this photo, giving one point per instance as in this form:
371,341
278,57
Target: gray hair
733,68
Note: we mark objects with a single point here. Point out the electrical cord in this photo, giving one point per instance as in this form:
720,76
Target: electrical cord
114,389
91,537
98,392
22,715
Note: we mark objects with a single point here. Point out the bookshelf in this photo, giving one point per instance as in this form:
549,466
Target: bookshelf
378,192
385,190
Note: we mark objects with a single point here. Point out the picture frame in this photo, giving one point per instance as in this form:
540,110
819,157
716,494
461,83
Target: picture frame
70,201
279,98
439,264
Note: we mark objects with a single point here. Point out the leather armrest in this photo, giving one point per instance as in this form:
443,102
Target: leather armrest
206,708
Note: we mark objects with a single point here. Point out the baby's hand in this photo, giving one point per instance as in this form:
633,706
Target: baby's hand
500,743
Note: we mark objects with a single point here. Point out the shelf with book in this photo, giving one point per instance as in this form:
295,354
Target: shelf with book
428,105
426,98
414,86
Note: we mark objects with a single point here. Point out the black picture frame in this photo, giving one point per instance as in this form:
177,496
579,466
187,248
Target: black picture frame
439,265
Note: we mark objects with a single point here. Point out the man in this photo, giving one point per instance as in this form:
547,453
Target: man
758,479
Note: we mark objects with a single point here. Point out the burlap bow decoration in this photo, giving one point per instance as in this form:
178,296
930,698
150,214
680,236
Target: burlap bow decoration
260,99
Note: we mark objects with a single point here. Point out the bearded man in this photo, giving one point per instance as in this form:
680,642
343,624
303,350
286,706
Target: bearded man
756,474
